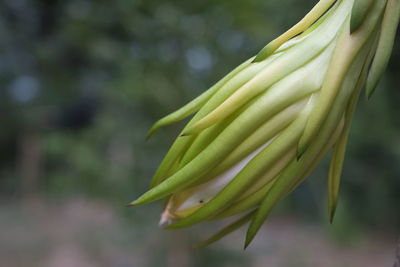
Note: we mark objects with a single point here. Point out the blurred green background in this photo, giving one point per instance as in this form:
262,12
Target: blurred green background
81,83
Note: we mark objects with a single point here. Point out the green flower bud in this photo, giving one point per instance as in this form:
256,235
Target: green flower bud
259,132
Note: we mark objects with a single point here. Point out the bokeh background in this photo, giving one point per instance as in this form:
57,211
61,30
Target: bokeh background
81,83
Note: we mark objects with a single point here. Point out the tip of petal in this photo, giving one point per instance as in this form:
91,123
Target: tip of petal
149,135
197,245
132,204
264,53
166,220
332,214
136,202
249,239
152,131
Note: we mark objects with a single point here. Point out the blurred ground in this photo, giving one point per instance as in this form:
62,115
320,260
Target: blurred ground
84,232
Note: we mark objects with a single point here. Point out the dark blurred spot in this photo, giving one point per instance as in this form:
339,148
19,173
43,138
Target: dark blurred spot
76,115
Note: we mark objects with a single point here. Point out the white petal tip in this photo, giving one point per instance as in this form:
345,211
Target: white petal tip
166,219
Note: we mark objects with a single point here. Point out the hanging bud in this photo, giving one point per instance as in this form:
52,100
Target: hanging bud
260,131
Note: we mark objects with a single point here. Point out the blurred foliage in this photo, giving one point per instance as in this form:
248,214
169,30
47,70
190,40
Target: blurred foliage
83,80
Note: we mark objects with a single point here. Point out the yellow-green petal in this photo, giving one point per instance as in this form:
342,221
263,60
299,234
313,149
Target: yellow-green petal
196,103
318,10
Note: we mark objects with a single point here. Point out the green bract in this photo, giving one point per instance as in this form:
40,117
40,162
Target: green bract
263,128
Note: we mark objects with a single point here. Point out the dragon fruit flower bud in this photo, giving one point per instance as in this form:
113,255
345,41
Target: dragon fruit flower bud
259,132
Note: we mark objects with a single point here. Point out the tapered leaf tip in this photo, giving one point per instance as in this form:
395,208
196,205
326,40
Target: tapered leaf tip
246,244
249,239
153,129
139,201
263,54
198,245
133,203
149,135
332,212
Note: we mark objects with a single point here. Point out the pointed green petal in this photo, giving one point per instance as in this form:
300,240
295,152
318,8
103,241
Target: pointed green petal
388,33
336,165
197,103
225,231
170,160
183,112
244,204
319,9
335,172
338,68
